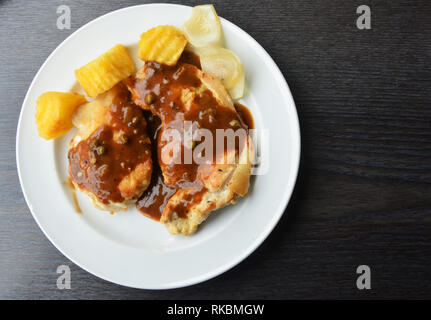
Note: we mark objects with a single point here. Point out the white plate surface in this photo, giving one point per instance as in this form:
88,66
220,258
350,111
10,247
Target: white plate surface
127,248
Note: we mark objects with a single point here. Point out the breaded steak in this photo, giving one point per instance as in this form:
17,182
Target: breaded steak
185,99
110,155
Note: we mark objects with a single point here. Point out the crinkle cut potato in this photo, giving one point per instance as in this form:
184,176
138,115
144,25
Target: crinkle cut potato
106,71
163,44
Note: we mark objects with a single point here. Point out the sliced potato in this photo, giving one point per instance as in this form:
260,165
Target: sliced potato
224,65
54,112
163,44
237,91
203,27
106,71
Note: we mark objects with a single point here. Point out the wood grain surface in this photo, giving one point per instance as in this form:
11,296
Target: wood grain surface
363,194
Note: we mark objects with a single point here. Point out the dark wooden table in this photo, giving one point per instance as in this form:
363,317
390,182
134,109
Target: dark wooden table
363,194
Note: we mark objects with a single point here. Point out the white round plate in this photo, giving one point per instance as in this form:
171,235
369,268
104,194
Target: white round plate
128,248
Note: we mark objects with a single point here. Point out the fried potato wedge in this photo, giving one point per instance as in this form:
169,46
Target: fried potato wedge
163,44
106,71
54,112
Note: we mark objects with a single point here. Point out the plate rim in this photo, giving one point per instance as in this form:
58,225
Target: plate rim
261,237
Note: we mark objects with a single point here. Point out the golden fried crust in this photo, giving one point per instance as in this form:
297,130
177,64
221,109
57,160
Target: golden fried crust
137,181
224,188
197,214
217,88
215,176
91,115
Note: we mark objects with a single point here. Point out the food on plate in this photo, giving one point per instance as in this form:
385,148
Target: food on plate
110,155
105,71
203,27
185,194
237,91
203,31
152,137
163,44
54,112
224,65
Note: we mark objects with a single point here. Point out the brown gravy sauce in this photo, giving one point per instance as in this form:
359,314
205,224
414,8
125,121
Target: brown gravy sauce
153,200
100,162
71,187
191,58
159,91
245,114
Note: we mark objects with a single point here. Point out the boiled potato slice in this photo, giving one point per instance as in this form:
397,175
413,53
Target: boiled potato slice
54,112
237,91
106,71
224,65
203,27
163,44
